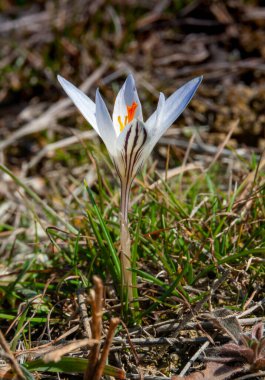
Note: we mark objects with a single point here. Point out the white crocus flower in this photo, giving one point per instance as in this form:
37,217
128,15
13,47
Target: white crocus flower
127,137
129,140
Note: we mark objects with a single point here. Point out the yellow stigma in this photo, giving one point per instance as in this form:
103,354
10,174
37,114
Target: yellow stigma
129,117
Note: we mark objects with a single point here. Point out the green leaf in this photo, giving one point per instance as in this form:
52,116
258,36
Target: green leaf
71,365
115,263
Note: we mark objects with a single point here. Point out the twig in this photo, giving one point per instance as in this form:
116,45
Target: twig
29,22
205,325
171,325
102,362
83,311
55,355
136,358
134,352
216,69
96,365
162,341
152,16
193,358
96,296
251,309
46,347
11,357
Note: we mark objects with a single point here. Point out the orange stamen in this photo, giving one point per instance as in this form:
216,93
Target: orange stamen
130,115
131,111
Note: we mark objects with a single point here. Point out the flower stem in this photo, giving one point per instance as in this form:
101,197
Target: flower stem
126,242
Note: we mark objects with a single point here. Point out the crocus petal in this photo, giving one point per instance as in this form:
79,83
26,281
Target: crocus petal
104,124
119,110
173,107
130,146
126,96
159,112
85,105
131,95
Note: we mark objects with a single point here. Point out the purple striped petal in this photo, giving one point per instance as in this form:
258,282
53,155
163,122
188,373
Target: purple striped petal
130,148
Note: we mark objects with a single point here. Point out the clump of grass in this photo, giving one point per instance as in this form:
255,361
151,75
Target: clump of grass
186,233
